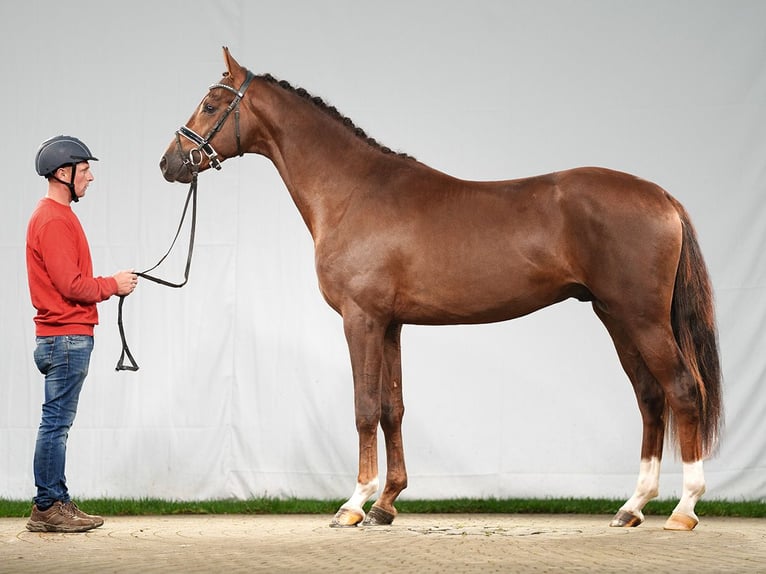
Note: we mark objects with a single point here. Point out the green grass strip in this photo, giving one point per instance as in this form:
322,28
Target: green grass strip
146,507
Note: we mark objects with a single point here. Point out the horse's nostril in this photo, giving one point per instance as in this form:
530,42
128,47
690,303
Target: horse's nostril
163,164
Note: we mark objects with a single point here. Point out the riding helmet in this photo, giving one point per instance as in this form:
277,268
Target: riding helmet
58,151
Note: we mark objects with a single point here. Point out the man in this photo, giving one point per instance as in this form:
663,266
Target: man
64,292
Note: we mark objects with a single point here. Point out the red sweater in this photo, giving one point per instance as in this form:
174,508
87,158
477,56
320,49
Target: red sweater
60,273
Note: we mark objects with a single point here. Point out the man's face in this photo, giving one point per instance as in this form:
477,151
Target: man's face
82,176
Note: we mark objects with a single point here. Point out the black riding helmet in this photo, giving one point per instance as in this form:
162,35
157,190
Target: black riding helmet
59,151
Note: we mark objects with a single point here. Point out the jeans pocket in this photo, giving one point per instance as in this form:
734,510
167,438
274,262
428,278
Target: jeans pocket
78,350
44,353
79,342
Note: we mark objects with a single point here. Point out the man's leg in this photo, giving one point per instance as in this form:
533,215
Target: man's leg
64,360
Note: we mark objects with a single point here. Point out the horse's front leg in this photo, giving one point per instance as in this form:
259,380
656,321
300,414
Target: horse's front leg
392,413
365,342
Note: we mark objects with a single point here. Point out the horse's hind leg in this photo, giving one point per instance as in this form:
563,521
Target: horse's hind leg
664,360
392,412
651,403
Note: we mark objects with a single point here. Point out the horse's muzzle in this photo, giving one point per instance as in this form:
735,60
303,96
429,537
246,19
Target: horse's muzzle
174,170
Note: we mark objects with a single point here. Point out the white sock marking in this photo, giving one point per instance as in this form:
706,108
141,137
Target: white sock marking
647,487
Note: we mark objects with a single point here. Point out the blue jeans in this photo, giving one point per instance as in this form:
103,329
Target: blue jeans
64,361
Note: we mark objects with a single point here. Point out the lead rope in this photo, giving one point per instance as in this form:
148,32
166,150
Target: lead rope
190,197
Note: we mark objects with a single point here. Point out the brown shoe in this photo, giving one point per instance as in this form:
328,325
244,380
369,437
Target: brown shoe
58,518
96,520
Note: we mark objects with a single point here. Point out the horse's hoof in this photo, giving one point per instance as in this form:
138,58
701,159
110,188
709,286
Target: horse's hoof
682,522
347,517
378,517
625,519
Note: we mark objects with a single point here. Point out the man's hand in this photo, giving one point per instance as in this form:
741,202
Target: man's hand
126,281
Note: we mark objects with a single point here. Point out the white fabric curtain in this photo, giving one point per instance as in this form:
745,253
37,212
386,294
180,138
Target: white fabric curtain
245,388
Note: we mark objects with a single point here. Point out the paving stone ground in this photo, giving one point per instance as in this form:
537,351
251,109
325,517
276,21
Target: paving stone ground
422,543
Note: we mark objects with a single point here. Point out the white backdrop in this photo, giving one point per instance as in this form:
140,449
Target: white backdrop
245,388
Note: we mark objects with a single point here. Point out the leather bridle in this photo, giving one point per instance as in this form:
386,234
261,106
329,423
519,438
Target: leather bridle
192,164
194,159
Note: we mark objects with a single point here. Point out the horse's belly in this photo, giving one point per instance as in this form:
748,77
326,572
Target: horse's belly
481,301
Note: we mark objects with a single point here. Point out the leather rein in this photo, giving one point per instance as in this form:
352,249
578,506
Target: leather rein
192,163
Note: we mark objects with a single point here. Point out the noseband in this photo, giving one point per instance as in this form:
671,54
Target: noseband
203,144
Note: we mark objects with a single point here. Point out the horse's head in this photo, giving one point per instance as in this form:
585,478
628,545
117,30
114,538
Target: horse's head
191,152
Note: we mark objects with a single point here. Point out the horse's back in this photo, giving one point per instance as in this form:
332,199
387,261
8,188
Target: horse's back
569,216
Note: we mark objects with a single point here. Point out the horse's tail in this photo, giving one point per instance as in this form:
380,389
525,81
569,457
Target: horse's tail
694,327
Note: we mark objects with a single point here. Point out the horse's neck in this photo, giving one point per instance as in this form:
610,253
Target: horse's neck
312,152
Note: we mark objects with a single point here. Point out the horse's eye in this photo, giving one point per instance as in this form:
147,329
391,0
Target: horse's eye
208,109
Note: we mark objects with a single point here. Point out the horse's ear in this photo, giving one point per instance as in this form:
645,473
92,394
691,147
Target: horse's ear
232,65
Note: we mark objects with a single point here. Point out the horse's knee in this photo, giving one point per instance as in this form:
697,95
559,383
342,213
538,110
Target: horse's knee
367,422
391,417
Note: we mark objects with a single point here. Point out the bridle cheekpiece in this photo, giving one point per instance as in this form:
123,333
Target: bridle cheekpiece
203,144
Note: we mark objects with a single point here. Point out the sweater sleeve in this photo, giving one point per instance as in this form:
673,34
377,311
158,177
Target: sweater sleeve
62,256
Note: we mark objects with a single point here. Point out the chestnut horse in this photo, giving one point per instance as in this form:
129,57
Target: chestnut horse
397,242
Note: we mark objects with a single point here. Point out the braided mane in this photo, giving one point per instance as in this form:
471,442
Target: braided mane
333,113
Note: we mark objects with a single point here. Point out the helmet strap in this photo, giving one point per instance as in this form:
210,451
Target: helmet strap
69,184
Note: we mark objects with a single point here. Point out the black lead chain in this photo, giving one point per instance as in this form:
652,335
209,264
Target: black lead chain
191,197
